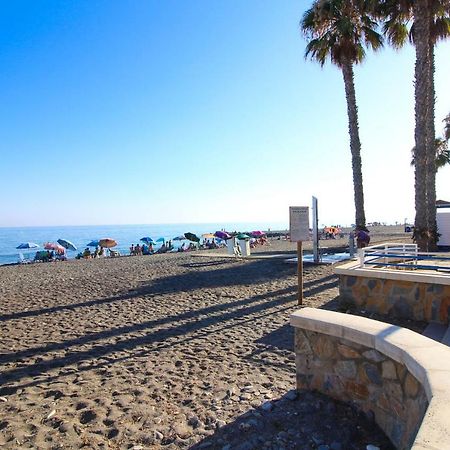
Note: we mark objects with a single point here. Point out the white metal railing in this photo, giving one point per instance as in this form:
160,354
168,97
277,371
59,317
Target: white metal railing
397,255
385,253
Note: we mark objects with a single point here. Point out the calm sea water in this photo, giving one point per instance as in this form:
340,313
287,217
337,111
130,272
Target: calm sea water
125,235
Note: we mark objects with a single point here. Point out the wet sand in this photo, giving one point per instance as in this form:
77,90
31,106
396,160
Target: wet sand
165,351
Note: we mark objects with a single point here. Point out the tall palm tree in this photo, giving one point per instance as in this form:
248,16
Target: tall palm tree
422,232
339,30
430,23
439,22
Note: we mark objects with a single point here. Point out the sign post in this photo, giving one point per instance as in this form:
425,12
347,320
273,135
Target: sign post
299,232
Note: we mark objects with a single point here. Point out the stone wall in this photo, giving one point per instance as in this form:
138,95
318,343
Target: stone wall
354,373
422,301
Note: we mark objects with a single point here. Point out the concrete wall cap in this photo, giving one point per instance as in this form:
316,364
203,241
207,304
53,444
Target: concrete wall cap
427,360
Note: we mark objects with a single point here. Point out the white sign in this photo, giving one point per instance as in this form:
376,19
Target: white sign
299,223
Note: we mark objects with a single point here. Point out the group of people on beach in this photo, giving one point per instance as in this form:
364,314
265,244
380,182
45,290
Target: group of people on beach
332,232
147,249
209,244
260,241
49,255
97,253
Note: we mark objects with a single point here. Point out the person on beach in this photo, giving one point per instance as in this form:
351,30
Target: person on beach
86,253
132,250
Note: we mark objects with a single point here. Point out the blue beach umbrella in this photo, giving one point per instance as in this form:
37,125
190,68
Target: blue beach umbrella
179,238
94,243
66,244
25,245
148,240
161,239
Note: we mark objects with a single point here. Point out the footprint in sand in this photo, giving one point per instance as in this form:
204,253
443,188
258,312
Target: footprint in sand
87,416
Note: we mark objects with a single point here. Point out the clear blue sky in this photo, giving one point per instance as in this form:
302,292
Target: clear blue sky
116,111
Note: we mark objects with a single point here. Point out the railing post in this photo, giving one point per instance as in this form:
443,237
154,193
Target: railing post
361,257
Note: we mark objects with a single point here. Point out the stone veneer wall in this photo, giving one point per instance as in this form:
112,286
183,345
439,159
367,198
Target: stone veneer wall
354,373
398,298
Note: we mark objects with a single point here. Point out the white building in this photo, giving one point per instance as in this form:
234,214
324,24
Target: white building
443,222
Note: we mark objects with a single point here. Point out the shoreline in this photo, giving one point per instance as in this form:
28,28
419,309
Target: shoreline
380,233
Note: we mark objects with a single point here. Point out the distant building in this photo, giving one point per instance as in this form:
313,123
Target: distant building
442,204
443,222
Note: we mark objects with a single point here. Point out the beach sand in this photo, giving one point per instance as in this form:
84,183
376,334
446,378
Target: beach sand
164,351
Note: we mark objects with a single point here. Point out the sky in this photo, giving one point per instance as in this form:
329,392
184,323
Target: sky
149,111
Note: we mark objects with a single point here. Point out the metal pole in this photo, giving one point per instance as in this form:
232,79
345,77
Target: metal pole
351,244
315,227
300,272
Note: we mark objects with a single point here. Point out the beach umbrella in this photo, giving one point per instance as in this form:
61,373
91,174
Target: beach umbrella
222,235
94,243
66,244
192,237
208,236
25,245
148,240
243,236
179,238
258,233
53,246
161,239
107,243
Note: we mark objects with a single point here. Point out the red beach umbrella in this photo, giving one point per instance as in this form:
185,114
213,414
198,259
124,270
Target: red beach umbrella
56,247
107,243
258,233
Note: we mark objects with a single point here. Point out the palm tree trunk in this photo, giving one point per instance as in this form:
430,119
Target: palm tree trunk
355,143
431,156
421,40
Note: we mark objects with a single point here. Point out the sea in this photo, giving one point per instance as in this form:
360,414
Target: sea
125,235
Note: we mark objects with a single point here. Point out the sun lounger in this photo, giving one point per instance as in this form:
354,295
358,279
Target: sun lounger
23,259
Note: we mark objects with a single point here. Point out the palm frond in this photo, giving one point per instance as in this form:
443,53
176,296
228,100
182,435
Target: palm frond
442,153
396,32
440,29
372,38
307,24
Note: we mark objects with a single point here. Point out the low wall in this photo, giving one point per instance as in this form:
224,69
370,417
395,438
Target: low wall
401,294
399,376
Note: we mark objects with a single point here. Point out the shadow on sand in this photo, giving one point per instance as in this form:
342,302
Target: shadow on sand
169,330
304,420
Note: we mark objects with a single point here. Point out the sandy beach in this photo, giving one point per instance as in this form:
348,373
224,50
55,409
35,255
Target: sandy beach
166,351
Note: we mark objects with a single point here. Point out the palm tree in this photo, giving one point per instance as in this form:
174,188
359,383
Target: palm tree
431,23
339,30
422,232
439,22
